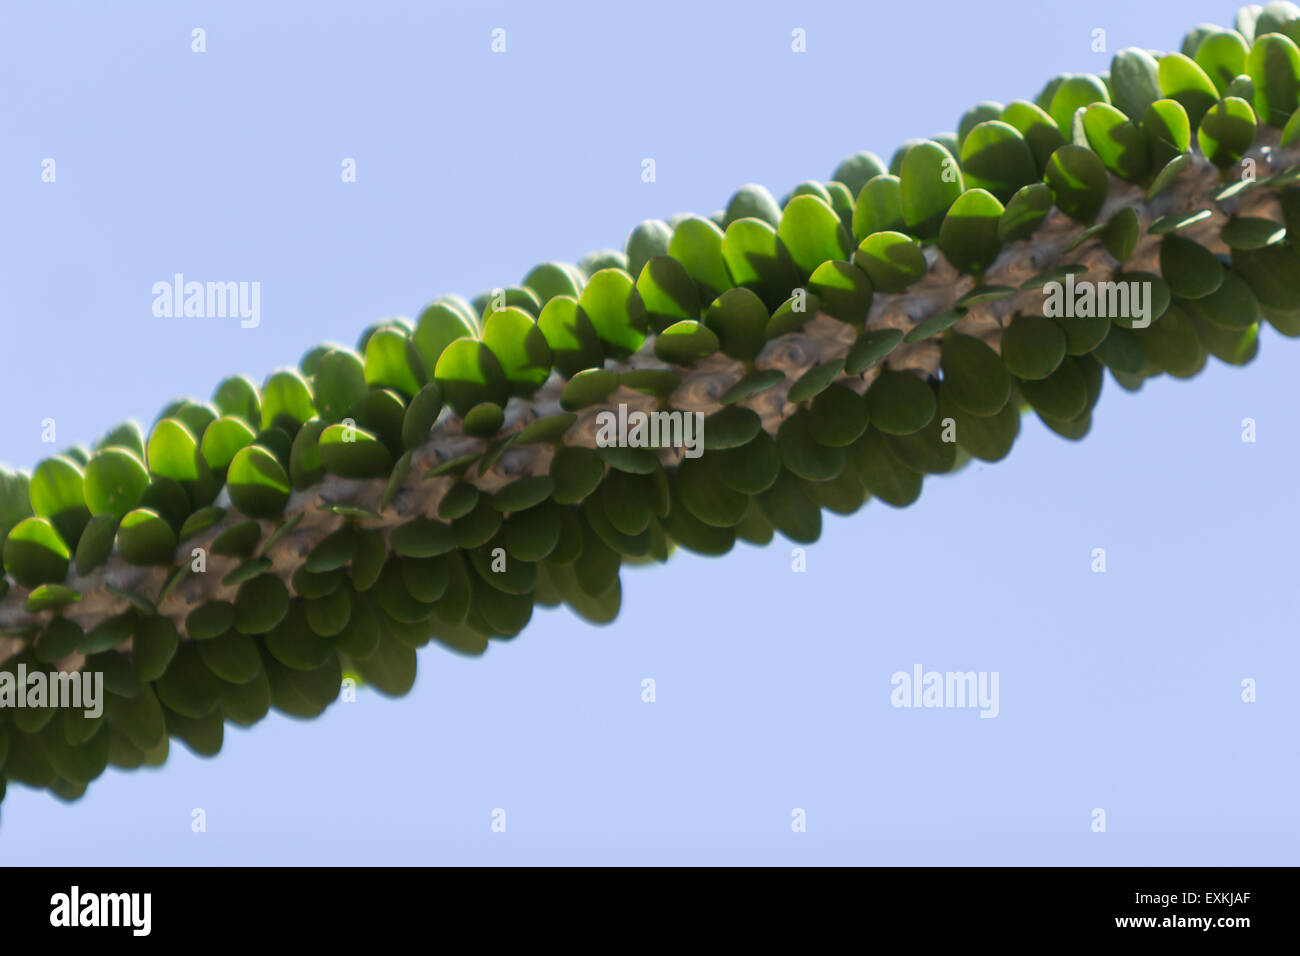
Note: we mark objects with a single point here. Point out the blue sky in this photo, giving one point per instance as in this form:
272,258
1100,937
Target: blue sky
1118,691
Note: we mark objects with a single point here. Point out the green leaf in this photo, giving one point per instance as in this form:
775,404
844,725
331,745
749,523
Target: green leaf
222,440
697,245
1274,66
210,620
879,207
1245,232
257,483
440,324
57,492
520,348
1033,347
930,181
930,451
1273,273
35,554
144,538
392,361
752,201
588,388
602,259
814,381
507,297
731,427
760,380
698,486
685,342
572,338
548,429
550,279
115,481
650,238
1121,352
1120,144
1190,269
668,291
900,403
1062,396
1233,346
995,157
1168,133
1121,233
757,260
979,113
261,604
813,233
892,260
233,658
153,645
1157,301
234,396
1227,131
523,493
468,373
881,472
616,311
1172,343
739,319
238,540
421,415
1182,80
857,170
843,290
1038,129
793,314
60,638
1290,133
1075,92
49,597
1242,87
968,237
1134,82
973,375
839,417
96,543
1078,181
1231,306
576,472
339,383
286,401
174,453
802,454
791,512
869,348
1025,212
932,325
1223,58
